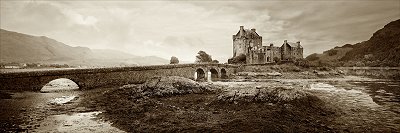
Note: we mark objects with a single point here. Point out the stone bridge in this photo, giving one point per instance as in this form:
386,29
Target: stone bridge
97,77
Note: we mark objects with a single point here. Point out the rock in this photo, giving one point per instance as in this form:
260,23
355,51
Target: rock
319,73
250,74
274,74
242,74
340,71
334,73
264,94
216,112
5,95
128,86
173,85
305,73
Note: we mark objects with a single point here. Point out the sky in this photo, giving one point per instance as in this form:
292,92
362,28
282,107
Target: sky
182,28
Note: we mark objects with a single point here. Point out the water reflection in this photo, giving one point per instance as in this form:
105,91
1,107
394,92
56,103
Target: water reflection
385,93
77,123
62,100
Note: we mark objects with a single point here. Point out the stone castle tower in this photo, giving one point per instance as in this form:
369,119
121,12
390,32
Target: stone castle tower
245,41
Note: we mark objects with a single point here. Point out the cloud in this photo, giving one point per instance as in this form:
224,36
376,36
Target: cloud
31,17
80,19
181,28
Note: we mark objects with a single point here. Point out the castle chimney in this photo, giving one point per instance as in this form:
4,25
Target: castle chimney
241,27
271,44
254,30
285,41
298,42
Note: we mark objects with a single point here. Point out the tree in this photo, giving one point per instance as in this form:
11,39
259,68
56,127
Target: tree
276,59
302,62
240,59
174,60
203,57
215,61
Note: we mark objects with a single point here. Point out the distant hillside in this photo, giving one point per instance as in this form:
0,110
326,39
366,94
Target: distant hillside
382,49
111,54
22,48
16,47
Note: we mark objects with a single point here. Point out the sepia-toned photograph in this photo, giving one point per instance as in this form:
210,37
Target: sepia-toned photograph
275,66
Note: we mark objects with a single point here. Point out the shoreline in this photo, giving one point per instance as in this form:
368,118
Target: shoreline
204,107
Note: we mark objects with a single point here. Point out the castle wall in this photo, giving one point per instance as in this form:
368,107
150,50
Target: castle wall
292,53
286,52
271,53
239,46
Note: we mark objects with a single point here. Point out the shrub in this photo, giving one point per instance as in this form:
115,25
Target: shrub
203,57
174,60
241,59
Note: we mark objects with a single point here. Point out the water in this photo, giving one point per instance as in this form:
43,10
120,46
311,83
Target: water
77,123
51,112
362,105
58,85
62,100
385,93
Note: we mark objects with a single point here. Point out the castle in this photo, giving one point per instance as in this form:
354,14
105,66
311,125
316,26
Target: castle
249,43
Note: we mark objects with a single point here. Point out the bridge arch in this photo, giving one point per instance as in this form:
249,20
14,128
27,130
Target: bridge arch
200,74
214,74
57,84
223,73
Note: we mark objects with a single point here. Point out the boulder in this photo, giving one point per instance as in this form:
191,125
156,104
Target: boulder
279,94
274,74
172,85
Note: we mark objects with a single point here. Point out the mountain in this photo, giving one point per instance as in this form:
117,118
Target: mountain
151,60
22,48
382,49
16,47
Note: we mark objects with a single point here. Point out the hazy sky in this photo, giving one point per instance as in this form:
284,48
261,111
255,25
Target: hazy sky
181,28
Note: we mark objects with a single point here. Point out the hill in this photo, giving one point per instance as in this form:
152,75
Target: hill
382,49
22,48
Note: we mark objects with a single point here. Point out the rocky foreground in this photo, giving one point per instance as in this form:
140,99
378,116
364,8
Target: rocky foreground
175,104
